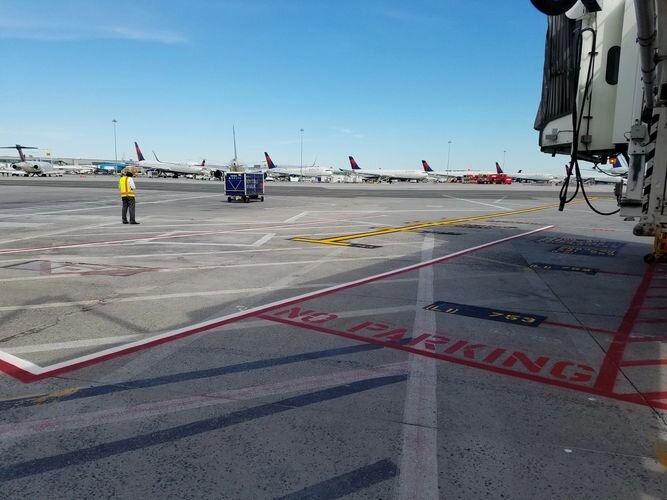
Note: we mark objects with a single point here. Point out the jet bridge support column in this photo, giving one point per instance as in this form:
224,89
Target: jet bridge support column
653,220
642,145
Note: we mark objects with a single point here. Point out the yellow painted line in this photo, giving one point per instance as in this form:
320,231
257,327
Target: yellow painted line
51,396
339,240
661,452
44,397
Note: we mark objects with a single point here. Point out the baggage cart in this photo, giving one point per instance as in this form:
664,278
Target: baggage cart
244,186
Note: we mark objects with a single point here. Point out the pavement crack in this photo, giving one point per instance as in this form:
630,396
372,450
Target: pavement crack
56,322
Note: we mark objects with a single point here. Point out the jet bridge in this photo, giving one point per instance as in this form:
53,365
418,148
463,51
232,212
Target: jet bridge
605,93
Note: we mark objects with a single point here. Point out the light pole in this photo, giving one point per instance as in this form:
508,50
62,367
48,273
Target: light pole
115,148
504,152
301,130
449,150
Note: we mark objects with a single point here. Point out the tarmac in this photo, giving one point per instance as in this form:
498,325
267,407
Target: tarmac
335,341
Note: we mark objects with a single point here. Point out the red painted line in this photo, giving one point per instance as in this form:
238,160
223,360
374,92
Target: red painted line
611,364
629,398
655,395
648,339
27,376
644,362
579,327
407,348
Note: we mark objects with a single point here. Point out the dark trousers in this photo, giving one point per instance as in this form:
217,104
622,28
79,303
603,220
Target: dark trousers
128,202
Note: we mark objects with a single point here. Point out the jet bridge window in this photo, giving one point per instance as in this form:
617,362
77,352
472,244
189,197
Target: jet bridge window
613,65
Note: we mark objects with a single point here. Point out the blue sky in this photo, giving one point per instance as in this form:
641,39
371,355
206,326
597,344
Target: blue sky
390,82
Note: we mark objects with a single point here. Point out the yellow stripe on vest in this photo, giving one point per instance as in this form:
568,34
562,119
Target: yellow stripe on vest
125,188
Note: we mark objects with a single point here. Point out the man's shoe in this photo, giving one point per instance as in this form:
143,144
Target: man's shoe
134,222
125,222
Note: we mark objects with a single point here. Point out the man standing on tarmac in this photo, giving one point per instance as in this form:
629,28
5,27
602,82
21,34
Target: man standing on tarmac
126,185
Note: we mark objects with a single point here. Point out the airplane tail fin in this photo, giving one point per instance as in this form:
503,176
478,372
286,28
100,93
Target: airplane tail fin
354,164
269,161
499,170
519,171
20,149
21,153
427,167
140,156
203,163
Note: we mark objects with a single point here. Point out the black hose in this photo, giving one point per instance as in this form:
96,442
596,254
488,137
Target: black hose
577,119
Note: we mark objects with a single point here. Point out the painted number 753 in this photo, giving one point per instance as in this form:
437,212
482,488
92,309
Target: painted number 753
512,317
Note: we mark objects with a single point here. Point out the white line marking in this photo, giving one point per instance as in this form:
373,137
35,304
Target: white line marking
181,269
62,231
33,369
296,217
115,205
264,239
106,259
66,422
127,241
477,202
419,456
74,344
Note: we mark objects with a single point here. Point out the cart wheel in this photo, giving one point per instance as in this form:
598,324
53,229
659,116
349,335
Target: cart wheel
649,258
229,199
246,199
261,198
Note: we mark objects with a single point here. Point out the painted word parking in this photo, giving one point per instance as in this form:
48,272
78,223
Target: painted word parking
442,346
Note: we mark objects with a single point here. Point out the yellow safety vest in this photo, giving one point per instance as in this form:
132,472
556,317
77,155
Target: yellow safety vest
125,188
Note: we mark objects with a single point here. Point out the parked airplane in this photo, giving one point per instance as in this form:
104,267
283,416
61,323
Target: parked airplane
589,177
295,171
388,175
522,176
31,165
75,169
458,174
111,168
601,178
619,166
449,174
173,168
436,175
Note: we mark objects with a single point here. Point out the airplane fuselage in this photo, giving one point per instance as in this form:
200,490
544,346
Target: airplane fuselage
300,172
173,168
536,177
398,175
34,167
